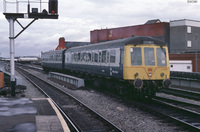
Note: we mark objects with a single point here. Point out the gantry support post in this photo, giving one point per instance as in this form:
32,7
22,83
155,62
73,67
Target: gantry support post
12,56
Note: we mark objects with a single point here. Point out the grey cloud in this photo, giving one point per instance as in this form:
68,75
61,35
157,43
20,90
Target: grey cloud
78,17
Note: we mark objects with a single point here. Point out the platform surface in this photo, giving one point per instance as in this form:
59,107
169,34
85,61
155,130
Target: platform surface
30,115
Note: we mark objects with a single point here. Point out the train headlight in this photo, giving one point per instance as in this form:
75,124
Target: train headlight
136,74
166,83
162,74
138,83
150,74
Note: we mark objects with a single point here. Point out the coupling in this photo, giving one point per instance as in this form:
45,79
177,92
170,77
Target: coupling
138,83
166,83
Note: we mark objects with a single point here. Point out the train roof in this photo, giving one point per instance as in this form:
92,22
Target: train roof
53,51
138,40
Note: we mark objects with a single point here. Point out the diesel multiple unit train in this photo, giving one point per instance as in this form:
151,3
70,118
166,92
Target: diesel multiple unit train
137,65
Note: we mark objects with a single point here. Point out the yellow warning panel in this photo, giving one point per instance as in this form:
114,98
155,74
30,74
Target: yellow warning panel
1,79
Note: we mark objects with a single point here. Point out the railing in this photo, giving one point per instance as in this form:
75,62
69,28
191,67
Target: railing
185,79
185,51
185,75
21,6
78,82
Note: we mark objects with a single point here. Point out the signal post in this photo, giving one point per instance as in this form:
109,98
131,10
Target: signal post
52,13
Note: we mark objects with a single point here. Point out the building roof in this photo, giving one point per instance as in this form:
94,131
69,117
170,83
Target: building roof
69,44
137,40
153,21
184,22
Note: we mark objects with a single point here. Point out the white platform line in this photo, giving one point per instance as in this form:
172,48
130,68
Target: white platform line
62,121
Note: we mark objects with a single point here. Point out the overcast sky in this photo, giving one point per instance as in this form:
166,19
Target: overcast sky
78,17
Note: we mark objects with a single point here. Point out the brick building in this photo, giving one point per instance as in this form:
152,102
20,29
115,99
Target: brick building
68,44
154,28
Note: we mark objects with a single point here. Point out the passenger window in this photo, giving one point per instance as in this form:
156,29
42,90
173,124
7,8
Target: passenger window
149,56
68,57
108,57
136,57
100,57
112,56
72,57
81,57
89,57
103,56
96,55
84,56
92,56
161,57
76,57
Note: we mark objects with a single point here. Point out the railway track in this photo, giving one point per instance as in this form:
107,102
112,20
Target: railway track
78,115
184,117
188,106
176,111
182,93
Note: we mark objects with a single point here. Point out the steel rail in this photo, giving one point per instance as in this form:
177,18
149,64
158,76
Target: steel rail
182,110
171,112
182,93
177,102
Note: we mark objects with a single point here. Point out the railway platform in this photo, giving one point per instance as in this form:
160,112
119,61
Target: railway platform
32,112
30,115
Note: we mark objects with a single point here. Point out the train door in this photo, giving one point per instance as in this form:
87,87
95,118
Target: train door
114,61
105,58
95,55
114,57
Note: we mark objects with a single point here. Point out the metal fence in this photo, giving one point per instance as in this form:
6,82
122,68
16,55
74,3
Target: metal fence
185,75
20,6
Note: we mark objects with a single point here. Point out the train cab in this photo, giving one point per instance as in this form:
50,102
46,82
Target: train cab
147,62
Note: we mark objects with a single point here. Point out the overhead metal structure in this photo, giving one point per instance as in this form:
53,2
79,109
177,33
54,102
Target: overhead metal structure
52,13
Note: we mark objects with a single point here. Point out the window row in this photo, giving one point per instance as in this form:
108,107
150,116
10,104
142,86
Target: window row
149,56
105,56
52,57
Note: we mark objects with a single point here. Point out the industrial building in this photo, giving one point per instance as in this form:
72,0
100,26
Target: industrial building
68,44
154,28
184,36
185,44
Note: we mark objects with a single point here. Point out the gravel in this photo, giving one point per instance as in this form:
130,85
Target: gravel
31,91
128,118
